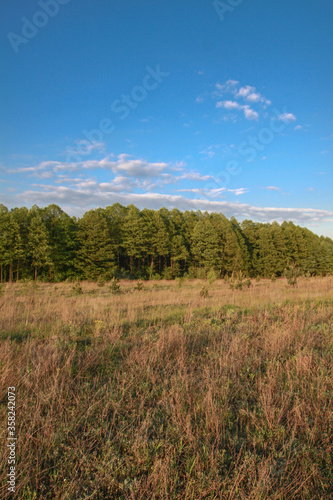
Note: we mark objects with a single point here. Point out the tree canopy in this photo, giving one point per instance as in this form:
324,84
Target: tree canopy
128,242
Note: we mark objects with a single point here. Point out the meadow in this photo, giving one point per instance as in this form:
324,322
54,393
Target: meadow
178,389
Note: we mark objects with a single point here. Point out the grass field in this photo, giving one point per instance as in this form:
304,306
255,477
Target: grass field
167,394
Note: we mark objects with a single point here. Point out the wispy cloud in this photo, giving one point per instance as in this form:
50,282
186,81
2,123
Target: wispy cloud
242,96
210,151
272,188
84,147
238,191
276,189
79,199
124,164
195,176
213,192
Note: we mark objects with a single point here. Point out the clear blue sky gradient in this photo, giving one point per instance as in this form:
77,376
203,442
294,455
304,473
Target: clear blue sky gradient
259,146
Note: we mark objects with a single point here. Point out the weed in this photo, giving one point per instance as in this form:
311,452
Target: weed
204,292
77,289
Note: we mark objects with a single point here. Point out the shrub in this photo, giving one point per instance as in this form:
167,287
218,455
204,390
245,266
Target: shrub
139,286
114,286
101,281
239,280
292,272
167,274
155,276
211,276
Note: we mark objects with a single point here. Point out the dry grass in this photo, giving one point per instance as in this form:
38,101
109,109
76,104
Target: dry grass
163,394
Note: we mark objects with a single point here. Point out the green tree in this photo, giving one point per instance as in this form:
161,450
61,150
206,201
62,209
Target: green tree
38,244
206,245
115,217
95,257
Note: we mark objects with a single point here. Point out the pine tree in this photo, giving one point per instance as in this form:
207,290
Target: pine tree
4,246
133,237
160,241
115,217
206,246
38,244
20,216
95,254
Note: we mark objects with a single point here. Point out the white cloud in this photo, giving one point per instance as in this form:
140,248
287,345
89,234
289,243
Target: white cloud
228,105
208,193
238,191
194,176
123,164
287,117
232,83
251,95
272,188
250,114
254,97
245,91
79,200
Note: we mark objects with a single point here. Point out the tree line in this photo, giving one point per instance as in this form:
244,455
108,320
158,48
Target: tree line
48,244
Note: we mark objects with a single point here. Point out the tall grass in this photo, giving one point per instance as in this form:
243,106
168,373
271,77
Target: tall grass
164,394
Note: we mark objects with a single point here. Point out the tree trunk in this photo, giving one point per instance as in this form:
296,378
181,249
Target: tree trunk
17,270
35,273
10,272
1,275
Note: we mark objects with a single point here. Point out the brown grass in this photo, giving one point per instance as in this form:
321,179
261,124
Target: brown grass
163,394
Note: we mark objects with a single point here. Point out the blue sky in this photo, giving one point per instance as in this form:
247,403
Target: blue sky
199,105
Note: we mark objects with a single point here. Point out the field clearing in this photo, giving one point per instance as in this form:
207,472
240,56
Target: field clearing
166,394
